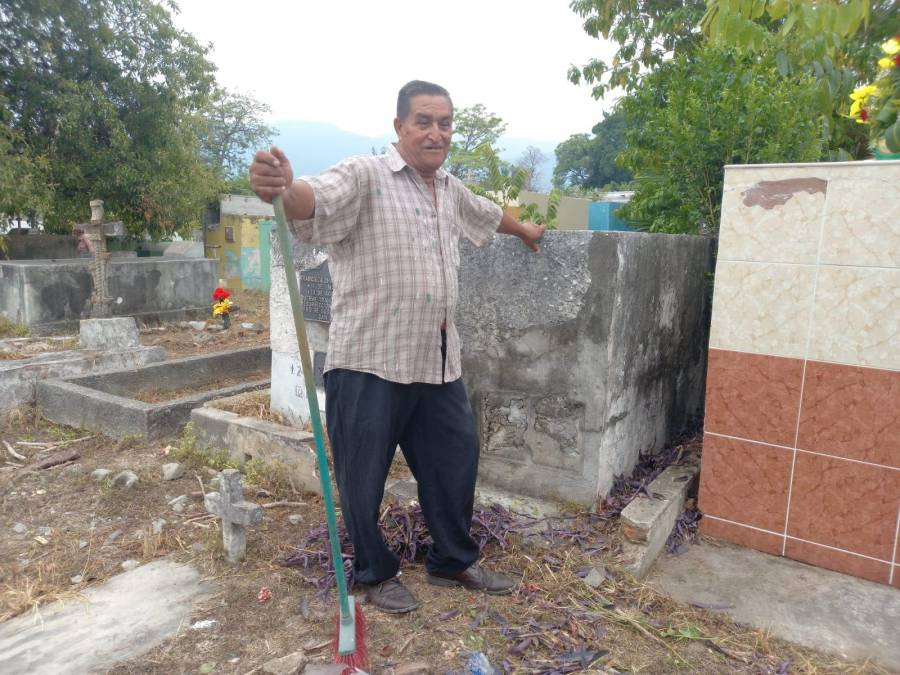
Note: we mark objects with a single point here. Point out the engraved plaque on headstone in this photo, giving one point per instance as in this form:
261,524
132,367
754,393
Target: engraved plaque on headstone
315,289
319,368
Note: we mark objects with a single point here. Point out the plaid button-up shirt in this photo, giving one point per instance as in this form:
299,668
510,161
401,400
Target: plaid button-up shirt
394,257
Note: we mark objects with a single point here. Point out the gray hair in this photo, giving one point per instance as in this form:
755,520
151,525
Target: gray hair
418,88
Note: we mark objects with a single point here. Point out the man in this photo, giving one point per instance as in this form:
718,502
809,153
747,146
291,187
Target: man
393,224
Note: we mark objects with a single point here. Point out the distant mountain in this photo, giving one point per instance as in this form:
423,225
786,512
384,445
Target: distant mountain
314,146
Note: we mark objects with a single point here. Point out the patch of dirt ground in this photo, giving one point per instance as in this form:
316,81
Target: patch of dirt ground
79,532
179,339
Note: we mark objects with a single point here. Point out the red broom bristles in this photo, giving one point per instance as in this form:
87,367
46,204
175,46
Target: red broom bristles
359,659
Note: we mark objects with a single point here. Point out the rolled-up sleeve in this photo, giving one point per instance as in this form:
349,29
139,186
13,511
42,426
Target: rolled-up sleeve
479,218
338,198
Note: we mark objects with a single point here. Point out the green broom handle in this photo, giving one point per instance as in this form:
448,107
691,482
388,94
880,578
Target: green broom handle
300,327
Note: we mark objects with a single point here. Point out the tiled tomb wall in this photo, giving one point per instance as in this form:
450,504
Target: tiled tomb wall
801,452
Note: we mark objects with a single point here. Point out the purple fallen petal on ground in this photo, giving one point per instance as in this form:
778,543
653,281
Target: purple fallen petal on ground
446,616
521,647
711,605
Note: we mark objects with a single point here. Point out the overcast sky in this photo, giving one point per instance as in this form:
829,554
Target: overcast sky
342,61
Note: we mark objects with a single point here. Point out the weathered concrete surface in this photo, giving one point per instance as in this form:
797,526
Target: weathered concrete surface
248,438
575,359
19,377
120,620
106,403
117,333
289,395
836,613
581,357
42,246
52,295
647,522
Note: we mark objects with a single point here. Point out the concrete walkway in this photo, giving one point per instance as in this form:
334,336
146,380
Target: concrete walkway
832,612
124,618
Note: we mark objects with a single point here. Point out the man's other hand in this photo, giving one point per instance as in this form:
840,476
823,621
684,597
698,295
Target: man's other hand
270,174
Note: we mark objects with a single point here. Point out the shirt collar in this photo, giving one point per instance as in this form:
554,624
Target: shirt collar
396,162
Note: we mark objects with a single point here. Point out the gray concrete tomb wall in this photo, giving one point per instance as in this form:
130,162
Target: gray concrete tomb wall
52,295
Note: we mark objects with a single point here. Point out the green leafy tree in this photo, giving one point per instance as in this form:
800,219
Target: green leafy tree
108,94
836,41
648,32
473,127
24,185
691,117
585,162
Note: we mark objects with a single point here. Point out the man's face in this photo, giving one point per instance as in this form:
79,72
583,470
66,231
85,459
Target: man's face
424,136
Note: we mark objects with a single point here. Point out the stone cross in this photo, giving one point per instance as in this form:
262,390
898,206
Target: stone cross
93,238
236,514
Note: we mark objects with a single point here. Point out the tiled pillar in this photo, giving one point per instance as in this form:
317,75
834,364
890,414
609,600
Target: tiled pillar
801,452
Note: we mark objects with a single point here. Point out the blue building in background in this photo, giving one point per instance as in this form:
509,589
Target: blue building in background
602,215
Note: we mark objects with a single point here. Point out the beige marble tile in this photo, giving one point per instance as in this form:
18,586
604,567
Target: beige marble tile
856,318
762,308
862,218
775,232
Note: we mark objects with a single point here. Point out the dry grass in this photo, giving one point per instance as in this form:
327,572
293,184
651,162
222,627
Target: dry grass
225,380
251,404
643,631
179,341
9,328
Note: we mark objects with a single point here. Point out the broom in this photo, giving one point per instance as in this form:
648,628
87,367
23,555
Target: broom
350,642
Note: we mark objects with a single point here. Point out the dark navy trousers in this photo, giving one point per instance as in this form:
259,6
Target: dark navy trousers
367,418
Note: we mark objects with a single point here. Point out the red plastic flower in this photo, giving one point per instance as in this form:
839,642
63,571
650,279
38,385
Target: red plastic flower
863,114
220,294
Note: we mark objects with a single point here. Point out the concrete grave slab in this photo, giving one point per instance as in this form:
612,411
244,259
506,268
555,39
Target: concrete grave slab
116,333
125,617
106,403
246,437
836,613
647,522
19,377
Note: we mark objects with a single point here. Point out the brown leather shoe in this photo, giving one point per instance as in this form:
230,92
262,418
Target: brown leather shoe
391,596
477,578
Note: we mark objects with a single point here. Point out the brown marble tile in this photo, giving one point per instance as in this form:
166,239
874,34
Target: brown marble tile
745,482
742,536
844,504
753,396
851,412
846,563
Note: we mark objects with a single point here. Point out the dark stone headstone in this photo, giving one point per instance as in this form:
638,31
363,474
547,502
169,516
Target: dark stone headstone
319,368
315,289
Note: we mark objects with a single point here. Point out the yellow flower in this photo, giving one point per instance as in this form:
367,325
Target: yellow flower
222,307
886,62
864,92
891,47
